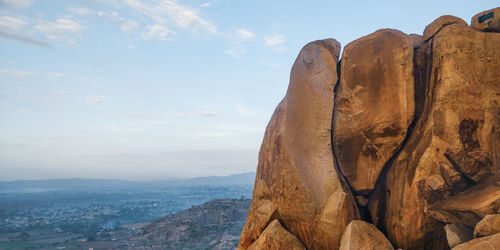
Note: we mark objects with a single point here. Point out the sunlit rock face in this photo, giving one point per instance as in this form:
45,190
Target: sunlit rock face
297,182
407,124
374,105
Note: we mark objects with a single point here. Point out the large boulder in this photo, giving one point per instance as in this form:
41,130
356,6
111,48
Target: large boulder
488,20
457,234
457,125
276,237
489,225
469,206
491,242
362,235
297,181
374,105
438,24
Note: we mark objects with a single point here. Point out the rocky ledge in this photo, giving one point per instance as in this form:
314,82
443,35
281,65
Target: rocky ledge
395,145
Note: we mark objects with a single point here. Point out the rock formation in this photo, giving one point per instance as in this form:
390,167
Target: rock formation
297,182
376,73
403,133
362,235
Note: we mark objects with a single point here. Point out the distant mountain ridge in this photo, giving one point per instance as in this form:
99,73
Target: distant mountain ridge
112,184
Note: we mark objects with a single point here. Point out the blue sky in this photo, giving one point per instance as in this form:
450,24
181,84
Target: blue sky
148,90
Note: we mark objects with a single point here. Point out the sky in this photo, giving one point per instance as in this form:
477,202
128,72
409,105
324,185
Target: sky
159,89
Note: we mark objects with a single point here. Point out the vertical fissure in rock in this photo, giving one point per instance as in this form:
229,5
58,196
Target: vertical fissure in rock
363,211
422,71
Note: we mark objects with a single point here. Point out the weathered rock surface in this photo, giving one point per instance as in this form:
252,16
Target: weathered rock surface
374,105
489,225
276,237
296,181
486,243
362,235
415,137
488,20
470,206
457,101
438,24
457,234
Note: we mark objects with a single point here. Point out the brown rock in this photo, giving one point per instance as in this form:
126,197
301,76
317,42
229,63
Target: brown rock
438,24
475,165
488,20
469,206
362,201
276,237
433,188
489,225
417,40
457,234
296,180
491,242
362,235
454,179
374,105
456,80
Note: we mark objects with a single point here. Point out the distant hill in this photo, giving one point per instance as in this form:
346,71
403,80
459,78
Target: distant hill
216,224
79,184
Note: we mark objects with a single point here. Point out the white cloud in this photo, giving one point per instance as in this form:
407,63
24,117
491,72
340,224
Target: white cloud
165,11
239,38
21,4
129,25
156,32
95,99
245,34
236,52
204,5
54,75
274,40
204,113
60,30
11,24
82,11
15,73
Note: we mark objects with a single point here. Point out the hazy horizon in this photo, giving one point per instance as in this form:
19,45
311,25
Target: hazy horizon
148,90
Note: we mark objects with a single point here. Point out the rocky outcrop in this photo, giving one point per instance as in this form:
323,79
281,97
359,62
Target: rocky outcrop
362,235
486,243
488,20
489,225
415,137
376,73
457,234
213,225
296,181
457,91
276,237
438,24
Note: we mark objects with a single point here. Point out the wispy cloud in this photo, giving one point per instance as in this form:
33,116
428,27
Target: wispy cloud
82,11
203,113
136,115
20,4
60,30
236,52
129,25
15,73
11,24
156,32
245,35
23,39
239,39
55,75
204,5
13,28
95,99
169,11
274,40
